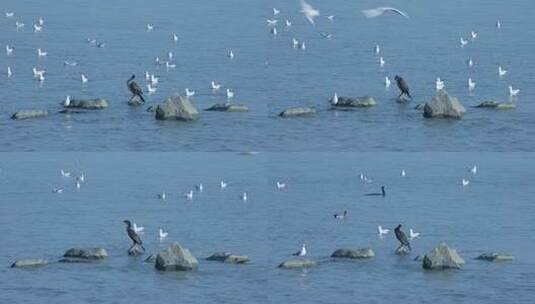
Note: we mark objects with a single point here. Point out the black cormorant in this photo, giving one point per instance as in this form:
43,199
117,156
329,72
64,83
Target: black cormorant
402,238
134,88
133,235
403,86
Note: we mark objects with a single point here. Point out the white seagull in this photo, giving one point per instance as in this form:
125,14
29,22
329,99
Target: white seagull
513,92
199,187
175,37
38,73
302,252
41,53
230,94
67,101
138,230
403,173
288,23
281,186
41,21
37,28
387,82
58,190
382,61
272,22
223,184
501,71
65,173
151,89
470,62
295,43
276,11
473,169
154,80
334,100
439,84
10,14
70,63
471,84
189,93
84,78
378,11
9,50
465,182
377,49
382,231
309,12
150,27
169,65
162,196
413,235
189,195
162,234
498,24
244,196
463,42
19,24
302,46
215,86
9,73
231,54
474,35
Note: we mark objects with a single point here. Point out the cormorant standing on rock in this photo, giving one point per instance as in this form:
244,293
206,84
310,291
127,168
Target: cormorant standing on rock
402,238
133,235
134,88
403,86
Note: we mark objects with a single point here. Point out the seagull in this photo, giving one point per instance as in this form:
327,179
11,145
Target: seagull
274,31
150,27
38,73
302,46
67,101
403,173
215,86
281,186
498,24
58,190
175,37
230,94
162,196
334,100
473,169
138,230
154,79
70,63
276,12
9,50
189,93
326,35
81,178
157,61
382,231
91,40
413,235
387,82
513,92
471,84
170,65
189,195
295,43
84,78
41,53
272,22
10,14
309,11
340,216
231,54
377,49
37,28
151,89
463,42
302,252
382,61
19,24
244,196
41,21
474,35
223,184
170,55
78,184
439,84
9,73
199,187
378,11
162,234
331,17
288,23
470,62
465,182
501,71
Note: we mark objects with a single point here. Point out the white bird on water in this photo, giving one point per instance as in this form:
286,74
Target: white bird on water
189,93
382,231
382,61
150,27
439,84
474,35
9,73
302,252
302,46
154,80
189,195
295,43
9,50
244,196
170,56
38,73
175,37
309,12
498,24
169,65
473,169
215,86
334,100
57,190
274,31
471,84
41,21
377,49
413,235
470,62
403,173
199,187
513,92
70,63
138,230
378,11
65,173
9,14
84,78
272,22
162,234
67,101
162,196
19,25
37,28
151,89
223,184
231,54
230,94
41,53
463,42
501,71
465,182
331,17
288,23
387,82
78,184
281,186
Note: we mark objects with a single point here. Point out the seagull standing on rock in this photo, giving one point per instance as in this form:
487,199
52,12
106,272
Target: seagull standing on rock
302,252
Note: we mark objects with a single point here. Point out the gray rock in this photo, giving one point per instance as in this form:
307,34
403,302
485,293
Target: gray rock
227,257
403,250
298,111
151,258
26,263
176,258
442,257
26,114
136,250
135,101
176,108
364,253
403,98
219,256
226,107
297,264
445,106
86,253
88,104
354,102
496,105
495,257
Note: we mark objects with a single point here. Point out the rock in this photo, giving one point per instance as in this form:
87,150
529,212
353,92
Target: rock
176,108
298,111
88,104
354,102
403,98
151,258
71,111
76,260
227,257
364,253
495,257
442,257
443,105
403,250
297,264
496,105
26,263
26,114
419,107
86,253
135,101
219,256
136,250
226,107
151,108
176,258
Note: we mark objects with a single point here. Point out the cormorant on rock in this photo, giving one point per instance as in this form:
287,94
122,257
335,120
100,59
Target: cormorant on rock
402,238
403,86
133,235
134,88
383,192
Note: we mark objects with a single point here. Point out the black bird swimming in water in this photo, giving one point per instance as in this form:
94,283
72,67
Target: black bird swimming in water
402,238
403,86
133,235
383,192
134,88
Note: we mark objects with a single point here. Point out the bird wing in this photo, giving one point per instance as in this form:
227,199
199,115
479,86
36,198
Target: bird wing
378,11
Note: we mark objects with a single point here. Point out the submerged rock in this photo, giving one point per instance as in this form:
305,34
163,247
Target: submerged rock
227,107
151,258
442,257
86,253
136,250
445,106
176,108
27,114
354,102
88,104
227,257
403,98
297,264
496,105
176,258
298,111
363,253
27,263
495,257
135,101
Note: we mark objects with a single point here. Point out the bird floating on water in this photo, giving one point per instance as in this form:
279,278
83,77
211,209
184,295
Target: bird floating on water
382,61
387,82
378,11
162,235
340,216
469,62
70,63
473,35
84,78
377,49
281,186
272,22
498,24
309,12
65,173
288,23
37,28
473,169
58,190
471,84
41,53
276,11
9,50
151,89
439,84
169,65
215,86
150,27
501,71
463,42
9,14
330,17
413,235
175,37
382,232
189,195
67,101
41,21
9,73
465,182
19,25
334,100
274,31
162,196
403,173
230,94
231,54
513,92
244,196
199,187
302,252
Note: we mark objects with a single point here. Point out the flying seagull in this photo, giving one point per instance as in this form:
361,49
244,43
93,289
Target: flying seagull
309,11
378,11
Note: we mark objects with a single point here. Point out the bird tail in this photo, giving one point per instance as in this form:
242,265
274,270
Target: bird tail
141,96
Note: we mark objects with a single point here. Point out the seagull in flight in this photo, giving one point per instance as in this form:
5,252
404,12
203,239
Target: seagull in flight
309,11
413,235
513,92
382,231
378,11
501,71
276,11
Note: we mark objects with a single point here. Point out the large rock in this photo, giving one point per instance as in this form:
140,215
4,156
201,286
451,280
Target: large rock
176,258
136,250
26,114
227,107
496,105
354,102
135,101
364,253
176,108
495,257
227,257
445,106
26,263
298,111
297,264
88,104
442,257
86,253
